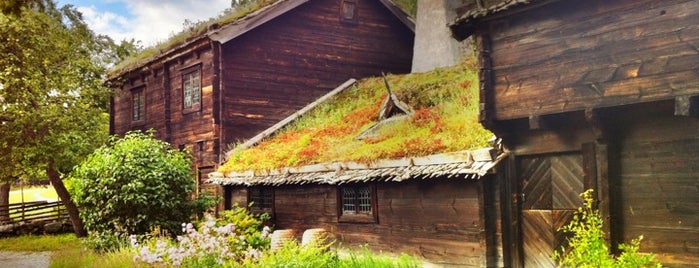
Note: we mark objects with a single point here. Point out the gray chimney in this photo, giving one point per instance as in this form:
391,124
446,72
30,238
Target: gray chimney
434,46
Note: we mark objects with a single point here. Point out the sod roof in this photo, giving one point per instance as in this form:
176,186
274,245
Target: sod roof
195,31
445,119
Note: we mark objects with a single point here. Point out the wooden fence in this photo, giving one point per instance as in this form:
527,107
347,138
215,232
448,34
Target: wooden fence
33,211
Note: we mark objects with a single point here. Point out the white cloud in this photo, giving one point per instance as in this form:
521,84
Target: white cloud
150,21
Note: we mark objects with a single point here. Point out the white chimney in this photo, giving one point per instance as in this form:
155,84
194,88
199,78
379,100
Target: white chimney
434,46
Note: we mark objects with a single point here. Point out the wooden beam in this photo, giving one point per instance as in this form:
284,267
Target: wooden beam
687,106
603,197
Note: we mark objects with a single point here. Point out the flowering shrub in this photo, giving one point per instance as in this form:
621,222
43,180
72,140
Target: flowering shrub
238,237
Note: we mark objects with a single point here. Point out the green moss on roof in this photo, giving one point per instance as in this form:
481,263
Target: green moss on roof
195,30
409,6
445,120
191,31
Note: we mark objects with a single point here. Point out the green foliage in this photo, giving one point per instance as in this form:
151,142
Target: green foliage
54,99
365,258
588,247
248,225
291,254
106,241
133,184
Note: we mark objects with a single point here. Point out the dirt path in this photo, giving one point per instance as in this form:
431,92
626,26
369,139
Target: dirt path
18,259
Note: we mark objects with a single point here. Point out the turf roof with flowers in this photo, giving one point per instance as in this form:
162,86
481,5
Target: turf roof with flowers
445,119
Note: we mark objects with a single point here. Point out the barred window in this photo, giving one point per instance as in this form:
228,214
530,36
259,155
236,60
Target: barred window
261,199
357,202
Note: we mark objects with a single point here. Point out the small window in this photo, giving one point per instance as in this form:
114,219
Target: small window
348,11
138,105
191,87
261,199
358,203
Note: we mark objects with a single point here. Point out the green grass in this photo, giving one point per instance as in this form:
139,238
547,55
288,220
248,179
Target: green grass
33,194
40,243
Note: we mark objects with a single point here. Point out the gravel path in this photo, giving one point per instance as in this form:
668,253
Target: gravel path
18,259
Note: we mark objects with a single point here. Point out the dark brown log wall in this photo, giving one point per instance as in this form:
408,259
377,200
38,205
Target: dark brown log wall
572,55
288,62
442,220
658,188
164,111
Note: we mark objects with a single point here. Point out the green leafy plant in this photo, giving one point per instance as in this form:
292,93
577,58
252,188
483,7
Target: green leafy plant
248,225
134,184
588,247
291,254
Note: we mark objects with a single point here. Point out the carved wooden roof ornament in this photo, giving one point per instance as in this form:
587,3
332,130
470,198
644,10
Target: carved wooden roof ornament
391,110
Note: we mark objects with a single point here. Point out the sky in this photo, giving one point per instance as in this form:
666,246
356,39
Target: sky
149,21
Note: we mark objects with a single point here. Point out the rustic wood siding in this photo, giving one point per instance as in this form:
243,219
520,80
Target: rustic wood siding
162,84
288,62
572,55
658,188
441,220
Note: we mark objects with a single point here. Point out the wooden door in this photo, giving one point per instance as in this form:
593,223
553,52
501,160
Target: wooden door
549,193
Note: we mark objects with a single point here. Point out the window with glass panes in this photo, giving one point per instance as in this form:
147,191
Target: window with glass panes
262,199
191,86
138,105
356,200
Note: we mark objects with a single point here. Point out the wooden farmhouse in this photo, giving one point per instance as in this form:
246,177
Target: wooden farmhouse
600,94
402,170
234,79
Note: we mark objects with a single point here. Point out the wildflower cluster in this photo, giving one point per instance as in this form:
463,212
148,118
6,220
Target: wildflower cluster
210,246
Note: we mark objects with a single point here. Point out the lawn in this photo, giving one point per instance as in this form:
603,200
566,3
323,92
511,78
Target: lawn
36,193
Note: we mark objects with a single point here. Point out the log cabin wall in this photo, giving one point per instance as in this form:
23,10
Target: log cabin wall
444,221
603,80
164,111
572,55
281,66
657,185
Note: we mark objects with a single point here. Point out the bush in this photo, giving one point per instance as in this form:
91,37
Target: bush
588,247
133,184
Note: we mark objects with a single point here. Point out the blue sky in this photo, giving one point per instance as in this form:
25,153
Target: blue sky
149,21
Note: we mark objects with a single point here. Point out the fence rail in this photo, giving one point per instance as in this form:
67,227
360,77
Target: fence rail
33,211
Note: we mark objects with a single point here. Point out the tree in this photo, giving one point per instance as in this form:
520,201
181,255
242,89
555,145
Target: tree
53,98
134,184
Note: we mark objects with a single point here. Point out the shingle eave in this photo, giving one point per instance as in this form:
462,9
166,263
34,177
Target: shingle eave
469,164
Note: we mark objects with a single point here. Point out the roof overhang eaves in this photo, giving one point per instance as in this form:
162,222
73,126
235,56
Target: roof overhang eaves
253,20
463,164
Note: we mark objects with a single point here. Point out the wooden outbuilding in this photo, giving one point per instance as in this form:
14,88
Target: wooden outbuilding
237,76
600,94
377,167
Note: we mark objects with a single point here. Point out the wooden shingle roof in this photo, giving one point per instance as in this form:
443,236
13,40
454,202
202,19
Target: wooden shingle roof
472,10
464,164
